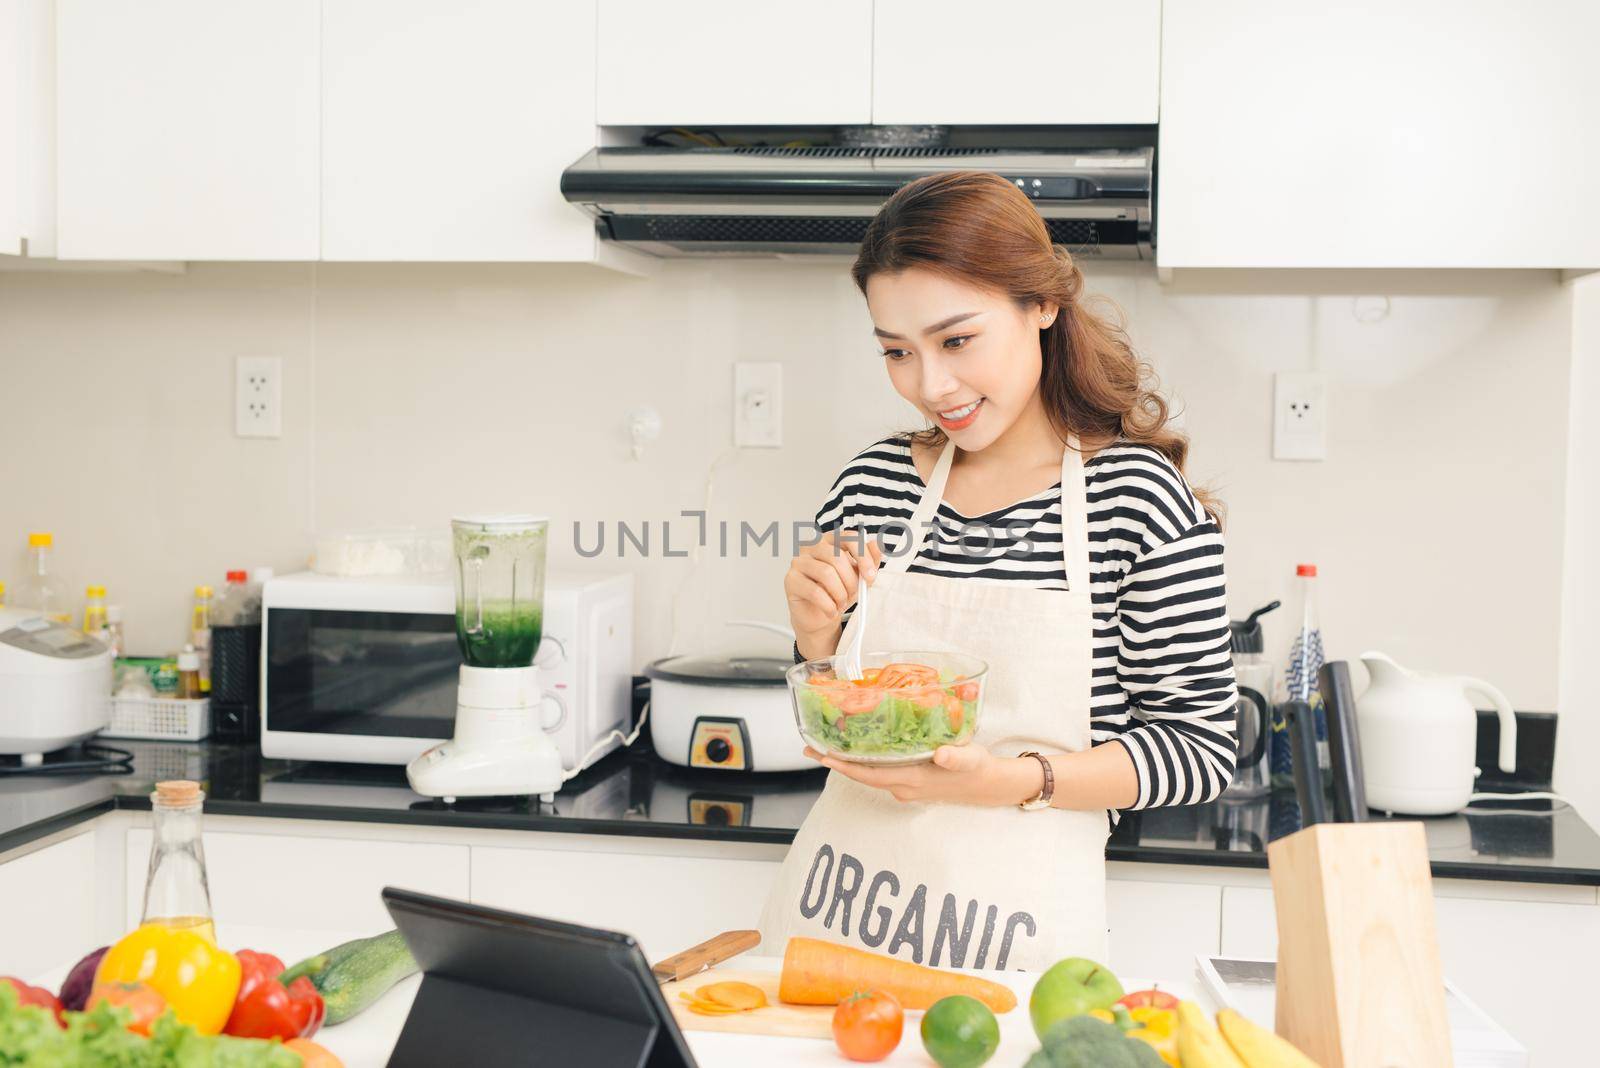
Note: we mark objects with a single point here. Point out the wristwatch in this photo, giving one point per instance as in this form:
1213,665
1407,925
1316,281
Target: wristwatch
1034,804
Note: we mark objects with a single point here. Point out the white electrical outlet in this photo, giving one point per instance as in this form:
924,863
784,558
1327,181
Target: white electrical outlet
1300,416
258,397
758,405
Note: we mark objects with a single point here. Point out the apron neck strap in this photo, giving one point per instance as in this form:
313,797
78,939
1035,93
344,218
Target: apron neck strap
1074,514
1074,517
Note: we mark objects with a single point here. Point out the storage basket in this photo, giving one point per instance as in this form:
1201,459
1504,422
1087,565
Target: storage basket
161,718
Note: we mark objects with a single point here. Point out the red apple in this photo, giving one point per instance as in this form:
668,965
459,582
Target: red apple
1155,999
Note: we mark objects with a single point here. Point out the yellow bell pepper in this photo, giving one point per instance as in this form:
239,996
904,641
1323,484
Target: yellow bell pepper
199,981
1158,1028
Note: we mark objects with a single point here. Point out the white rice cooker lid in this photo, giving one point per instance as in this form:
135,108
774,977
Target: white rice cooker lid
761,671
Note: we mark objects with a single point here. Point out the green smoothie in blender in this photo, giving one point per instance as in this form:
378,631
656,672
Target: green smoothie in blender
500,589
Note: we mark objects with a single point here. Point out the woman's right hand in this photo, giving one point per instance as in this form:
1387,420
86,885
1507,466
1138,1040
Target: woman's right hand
822,581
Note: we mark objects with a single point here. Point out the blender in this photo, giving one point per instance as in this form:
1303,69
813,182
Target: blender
502,745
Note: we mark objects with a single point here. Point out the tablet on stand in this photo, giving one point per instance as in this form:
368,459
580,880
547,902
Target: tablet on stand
500,988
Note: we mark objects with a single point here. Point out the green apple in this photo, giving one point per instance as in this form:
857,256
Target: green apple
1070,988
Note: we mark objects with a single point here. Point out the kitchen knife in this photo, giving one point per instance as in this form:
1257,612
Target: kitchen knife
1344,743
1307,776
712,951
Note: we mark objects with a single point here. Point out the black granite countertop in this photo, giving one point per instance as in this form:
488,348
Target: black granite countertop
640,795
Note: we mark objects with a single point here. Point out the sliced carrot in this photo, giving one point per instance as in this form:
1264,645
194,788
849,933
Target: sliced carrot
711,1008
734,995
823,973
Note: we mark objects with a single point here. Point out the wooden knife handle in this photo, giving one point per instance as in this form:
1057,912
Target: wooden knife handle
712,951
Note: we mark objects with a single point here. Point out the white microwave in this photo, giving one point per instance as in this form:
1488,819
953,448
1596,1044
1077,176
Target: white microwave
364,670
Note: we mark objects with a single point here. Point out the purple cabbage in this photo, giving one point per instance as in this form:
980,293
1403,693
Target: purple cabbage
80,981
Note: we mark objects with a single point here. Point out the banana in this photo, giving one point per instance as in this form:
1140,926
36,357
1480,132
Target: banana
1200,1045
1258,1047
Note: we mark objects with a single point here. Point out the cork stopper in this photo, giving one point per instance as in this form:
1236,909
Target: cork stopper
177,793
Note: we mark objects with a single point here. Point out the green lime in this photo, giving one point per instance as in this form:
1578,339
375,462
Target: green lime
960,1032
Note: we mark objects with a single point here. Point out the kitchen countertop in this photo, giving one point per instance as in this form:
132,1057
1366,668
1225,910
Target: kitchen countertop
367,1040
642,796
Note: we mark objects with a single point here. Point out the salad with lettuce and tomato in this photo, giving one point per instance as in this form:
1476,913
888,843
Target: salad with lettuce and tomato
897,712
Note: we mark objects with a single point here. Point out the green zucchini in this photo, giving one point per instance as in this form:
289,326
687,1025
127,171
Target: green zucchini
350,977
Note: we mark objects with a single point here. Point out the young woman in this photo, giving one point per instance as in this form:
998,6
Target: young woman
1052,534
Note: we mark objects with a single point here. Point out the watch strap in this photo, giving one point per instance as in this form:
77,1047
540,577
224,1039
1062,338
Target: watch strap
1049,791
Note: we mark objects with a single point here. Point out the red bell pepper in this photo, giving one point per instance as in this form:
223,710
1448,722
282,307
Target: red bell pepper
266,1008
34,995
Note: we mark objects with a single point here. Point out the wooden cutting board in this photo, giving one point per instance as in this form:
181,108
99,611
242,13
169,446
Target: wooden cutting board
788,1021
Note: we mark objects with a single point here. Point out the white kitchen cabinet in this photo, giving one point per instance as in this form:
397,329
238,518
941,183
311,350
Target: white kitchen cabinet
1081,62
1158,927
187,129
1510,957
731,62
667,902
445,129
308,883
12,155
47,903
1413,133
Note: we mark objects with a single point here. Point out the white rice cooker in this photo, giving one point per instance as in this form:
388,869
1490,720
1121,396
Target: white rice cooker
55,685
726,713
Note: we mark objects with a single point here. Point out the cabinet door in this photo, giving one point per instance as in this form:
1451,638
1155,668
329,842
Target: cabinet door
47,907
936,61
187,129
1157,928
446,128
731,62
668,903
303,883
1418,133
12,156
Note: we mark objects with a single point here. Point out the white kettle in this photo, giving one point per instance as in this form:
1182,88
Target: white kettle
1419,738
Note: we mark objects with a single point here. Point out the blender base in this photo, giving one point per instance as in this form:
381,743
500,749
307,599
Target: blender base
507,769
501,748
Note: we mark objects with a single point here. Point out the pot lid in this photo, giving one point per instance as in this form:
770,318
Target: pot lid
722,670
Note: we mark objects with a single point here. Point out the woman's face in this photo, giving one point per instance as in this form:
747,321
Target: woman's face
966,357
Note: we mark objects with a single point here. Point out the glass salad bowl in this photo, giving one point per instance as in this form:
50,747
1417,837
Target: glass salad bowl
905,705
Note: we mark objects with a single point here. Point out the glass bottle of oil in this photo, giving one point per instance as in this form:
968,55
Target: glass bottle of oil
176,893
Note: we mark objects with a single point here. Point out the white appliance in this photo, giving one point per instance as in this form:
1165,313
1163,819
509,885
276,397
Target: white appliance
725,713
55,685
366,670
1419,738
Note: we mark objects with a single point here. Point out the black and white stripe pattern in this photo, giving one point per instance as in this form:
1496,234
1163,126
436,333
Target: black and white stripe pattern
1163,681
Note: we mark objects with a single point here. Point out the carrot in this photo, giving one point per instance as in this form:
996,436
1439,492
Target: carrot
823,973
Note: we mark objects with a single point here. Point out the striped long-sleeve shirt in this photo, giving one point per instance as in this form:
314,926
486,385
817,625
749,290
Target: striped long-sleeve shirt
1163,683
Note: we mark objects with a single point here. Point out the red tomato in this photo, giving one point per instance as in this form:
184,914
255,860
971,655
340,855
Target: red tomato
955,712
145,1002
967,691
35,995
1156,999
854,701
928,699
867,1026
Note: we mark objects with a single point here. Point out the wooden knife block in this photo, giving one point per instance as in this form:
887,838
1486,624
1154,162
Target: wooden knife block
1359,983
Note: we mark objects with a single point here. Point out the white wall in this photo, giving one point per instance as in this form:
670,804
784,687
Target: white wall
1578,738
412,392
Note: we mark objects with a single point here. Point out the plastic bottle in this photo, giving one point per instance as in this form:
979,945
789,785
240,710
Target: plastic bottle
225,610
200,635
114,630
94,611
1300,681
176,890
36,593
259,577
188,675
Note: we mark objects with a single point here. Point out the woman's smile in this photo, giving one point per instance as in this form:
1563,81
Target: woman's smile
960,418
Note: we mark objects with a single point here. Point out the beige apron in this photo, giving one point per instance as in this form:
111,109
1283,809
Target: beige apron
964,886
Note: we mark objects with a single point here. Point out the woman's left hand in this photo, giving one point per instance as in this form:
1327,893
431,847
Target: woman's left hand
965,774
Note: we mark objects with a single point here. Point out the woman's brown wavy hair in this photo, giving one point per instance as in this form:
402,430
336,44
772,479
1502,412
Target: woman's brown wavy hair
978,227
